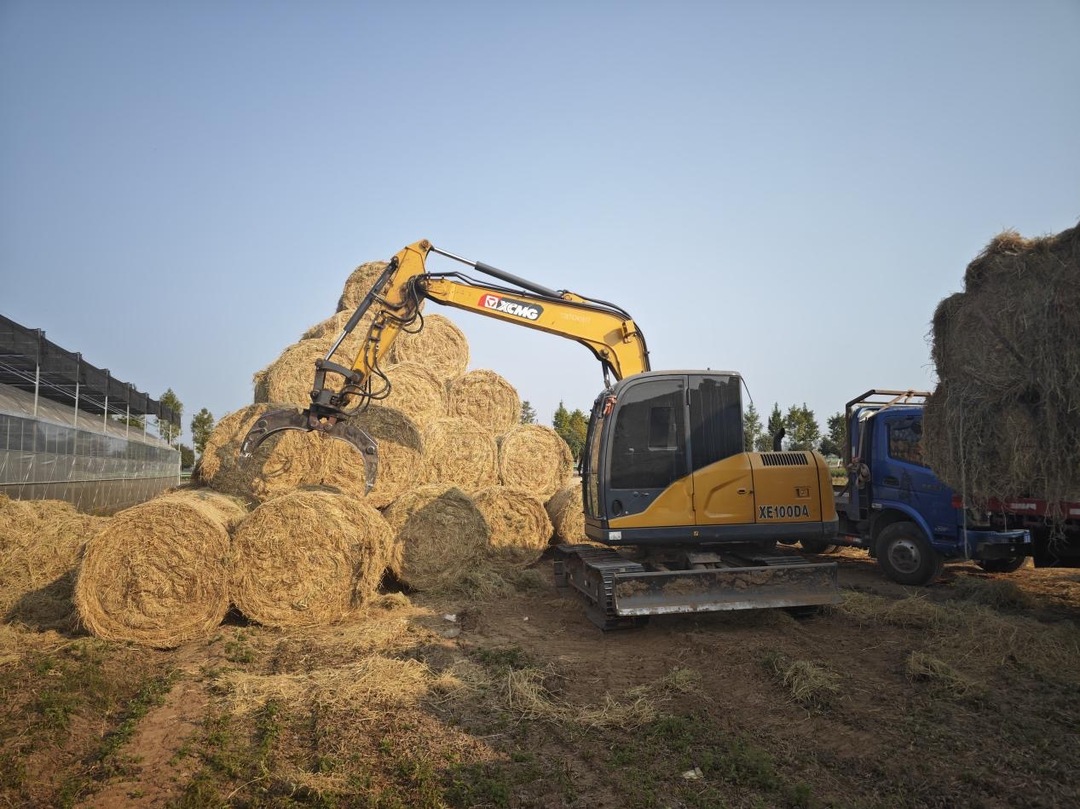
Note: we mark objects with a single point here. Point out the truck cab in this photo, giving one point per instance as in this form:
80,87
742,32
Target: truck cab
897,508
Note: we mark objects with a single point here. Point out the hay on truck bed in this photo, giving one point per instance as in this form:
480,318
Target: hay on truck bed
535,458
309,557
157,573
485,397
459,452
1004,419
439,345
442,536
520,528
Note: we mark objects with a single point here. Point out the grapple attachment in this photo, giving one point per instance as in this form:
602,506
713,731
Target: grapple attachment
332,425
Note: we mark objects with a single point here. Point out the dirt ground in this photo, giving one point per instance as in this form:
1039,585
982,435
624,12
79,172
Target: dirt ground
960,694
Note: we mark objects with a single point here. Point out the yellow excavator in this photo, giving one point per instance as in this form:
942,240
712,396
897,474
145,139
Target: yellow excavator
684,519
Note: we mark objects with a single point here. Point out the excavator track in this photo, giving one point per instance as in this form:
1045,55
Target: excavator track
620,592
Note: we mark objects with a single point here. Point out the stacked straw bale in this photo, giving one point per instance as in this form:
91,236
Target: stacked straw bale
157,574
460,452
486,398
535,458
358,284
1004,419
439,345
520,529
568,514
309,557
40,545
416,391
441,533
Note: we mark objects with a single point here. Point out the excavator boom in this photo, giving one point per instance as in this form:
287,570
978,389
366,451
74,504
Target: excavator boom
395,300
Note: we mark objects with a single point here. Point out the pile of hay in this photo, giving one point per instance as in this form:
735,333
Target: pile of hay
157,574
459,452
291,376
567,514
1004,420
40,545
486,398
308,557
535,458
442,536
519,525
439,345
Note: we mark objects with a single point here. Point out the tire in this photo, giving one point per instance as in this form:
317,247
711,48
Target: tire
1002,565
818,546
905,555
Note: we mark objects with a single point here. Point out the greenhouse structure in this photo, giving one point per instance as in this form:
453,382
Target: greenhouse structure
70,431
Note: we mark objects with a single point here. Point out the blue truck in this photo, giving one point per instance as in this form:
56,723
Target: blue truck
897,508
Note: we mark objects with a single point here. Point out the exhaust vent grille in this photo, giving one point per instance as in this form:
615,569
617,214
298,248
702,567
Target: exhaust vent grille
784,459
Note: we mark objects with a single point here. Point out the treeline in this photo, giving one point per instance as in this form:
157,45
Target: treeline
798,427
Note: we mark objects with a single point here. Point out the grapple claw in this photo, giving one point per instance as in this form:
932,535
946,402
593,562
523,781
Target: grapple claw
331,425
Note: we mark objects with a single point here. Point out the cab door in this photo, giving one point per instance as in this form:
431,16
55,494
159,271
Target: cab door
648,482
723,483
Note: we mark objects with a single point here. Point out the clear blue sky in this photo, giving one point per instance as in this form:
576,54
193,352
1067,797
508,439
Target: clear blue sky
782,188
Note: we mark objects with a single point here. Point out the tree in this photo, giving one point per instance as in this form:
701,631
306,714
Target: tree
835,442
167,429
803,432
751,428
572,427
775,426
528,414
202,424
187,456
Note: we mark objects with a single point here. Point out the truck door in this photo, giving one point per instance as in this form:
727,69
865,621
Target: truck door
901,475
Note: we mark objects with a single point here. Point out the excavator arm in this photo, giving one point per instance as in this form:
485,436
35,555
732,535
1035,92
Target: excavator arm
395,300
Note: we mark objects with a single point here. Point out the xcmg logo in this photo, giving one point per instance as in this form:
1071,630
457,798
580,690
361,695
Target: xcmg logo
529,311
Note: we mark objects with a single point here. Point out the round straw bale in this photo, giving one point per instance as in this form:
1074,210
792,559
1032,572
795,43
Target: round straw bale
439,345
485,397
358,284
535,458
414,390
279,464
308,557
460,452
441,533
519,524
337,465
157,573
330,329
291,376
567,514
37,562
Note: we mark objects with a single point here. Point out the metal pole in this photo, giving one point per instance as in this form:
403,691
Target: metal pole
78,372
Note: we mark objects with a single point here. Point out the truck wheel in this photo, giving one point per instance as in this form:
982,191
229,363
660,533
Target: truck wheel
906,556
818,546
1002,565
